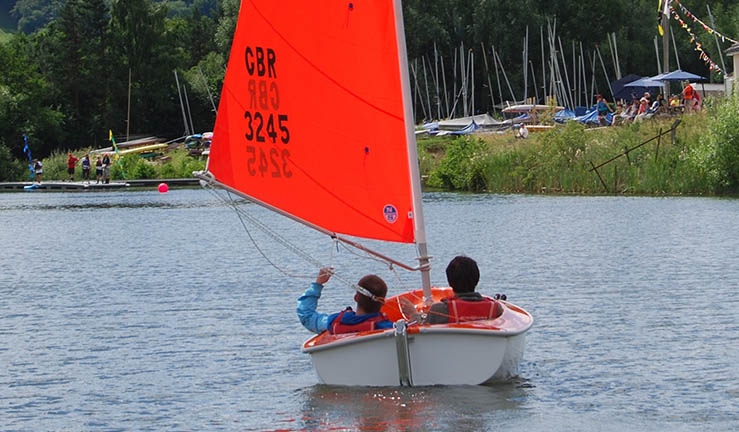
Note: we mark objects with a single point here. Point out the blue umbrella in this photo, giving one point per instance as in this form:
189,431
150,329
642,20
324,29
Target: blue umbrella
678,75
644,82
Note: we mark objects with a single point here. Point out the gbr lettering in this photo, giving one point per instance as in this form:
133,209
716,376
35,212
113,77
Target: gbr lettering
267,130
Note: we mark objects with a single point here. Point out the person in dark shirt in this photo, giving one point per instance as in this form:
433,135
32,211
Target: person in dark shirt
466,305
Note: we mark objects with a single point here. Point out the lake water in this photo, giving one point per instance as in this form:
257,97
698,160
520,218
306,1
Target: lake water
145,311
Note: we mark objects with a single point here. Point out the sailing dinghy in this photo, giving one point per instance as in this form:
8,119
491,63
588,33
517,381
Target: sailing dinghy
315,123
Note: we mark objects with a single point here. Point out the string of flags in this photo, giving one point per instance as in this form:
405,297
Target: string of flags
698,47
695,19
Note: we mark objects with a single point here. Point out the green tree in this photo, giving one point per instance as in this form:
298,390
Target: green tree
25,104
141,44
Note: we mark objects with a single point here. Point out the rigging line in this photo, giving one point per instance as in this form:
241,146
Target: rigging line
272,233
240,212
390,266
256,246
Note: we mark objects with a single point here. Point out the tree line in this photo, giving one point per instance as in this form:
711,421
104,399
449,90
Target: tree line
66,83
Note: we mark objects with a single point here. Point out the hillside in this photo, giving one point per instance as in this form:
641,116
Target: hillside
31,15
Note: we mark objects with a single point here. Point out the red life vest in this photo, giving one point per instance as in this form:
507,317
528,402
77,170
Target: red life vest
465,310
367,325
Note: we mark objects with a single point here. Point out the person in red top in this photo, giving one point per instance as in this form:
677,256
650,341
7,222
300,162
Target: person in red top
688,96
71,162
462,274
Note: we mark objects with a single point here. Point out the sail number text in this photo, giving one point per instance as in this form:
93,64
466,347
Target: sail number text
260,128
262,121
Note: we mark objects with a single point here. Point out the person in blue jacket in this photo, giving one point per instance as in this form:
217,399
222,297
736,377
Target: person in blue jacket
370,297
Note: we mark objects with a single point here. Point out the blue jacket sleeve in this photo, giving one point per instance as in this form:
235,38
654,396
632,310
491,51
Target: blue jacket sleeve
307,303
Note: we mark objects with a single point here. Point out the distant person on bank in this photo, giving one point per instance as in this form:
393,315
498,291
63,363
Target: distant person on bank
86,168
71,163
106,168
462,274
98,170
38,169
367,317
523,131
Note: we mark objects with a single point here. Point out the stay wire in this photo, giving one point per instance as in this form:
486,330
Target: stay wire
277,237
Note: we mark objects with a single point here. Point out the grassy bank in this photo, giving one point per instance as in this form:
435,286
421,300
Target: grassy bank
702,160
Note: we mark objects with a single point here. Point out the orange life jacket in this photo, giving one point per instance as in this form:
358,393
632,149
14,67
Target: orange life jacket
367,325
465,310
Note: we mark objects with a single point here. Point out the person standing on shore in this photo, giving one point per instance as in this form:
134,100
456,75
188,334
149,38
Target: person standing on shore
106,168
98,170
71,163
38,169
86,168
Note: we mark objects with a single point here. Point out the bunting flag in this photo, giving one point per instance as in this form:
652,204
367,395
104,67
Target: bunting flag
117,155
695,19
712,66
27,151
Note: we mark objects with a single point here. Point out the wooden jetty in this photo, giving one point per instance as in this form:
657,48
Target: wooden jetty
92,186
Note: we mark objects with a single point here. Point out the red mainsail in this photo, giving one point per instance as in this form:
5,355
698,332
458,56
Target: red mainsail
311,117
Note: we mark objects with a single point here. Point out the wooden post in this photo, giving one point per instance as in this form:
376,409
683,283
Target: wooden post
615,179
601,178
656,154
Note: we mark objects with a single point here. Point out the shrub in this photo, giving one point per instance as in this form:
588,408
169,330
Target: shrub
723,141
11,169
463,166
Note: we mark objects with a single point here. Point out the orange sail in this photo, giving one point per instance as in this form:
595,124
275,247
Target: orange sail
311,118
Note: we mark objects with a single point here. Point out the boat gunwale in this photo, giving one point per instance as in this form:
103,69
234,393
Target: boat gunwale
471,328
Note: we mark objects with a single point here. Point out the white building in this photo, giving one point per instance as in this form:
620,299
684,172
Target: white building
731,79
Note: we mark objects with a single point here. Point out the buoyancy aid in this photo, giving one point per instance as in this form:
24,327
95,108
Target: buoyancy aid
465,310
337,327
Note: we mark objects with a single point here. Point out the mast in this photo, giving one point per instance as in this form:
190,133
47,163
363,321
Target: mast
415,177
128,116
182,105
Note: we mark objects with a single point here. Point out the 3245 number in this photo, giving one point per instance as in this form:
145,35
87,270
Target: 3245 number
270,162
259,128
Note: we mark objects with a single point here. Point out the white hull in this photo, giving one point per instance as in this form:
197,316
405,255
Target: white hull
435,358
436,354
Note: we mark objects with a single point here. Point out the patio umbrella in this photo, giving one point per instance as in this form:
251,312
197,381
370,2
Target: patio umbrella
644,82
678,75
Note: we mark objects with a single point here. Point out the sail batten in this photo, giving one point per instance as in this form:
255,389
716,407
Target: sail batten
312,119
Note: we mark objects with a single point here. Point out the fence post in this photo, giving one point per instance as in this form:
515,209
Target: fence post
601,178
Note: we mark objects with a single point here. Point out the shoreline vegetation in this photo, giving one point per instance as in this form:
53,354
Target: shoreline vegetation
702,160
176,164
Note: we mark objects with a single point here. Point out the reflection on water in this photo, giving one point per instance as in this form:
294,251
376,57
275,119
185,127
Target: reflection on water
147,311
400,409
